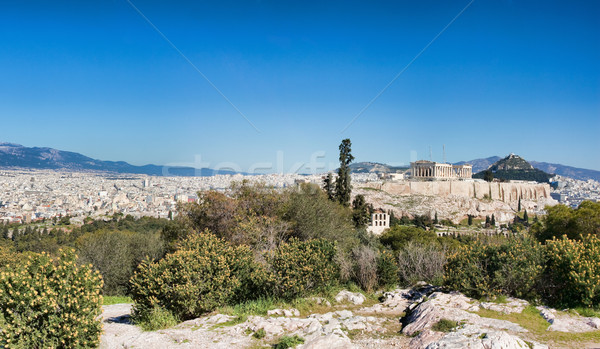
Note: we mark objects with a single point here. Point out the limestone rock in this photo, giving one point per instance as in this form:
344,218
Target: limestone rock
397,301
336,340
320,301
513,305
471,336
562,322
347,296
454,307
285,312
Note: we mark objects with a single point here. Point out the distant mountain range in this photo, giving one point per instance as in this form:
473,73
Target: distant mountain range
16,155
374,167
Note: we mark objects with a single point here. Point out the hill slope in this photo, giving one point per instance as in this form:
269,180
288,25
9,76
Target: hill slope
514,167
562,170
15,155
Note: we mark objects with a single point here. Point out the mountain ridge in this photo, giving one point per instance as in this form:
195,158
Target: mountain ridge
14,155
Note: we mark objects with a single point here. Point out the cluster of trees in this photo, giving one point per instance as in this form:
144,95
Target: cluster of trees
114,247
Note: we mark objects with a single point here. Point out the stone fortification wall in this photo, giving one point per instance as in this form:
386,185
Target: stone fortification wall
502,191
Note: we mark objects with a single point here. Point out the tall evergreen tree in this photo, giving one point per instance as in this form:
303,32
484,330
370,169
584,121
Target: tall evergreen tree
487,221
525,217
329,186
435,220
493,220
343,188
519,208
470,220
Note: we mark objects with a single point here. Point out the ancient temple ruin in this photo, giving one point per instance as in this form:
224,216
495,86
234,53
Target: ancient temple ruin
436,170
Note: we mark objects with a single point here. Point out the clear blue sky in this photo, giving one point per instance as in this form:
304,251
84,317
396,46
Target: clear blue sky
507,76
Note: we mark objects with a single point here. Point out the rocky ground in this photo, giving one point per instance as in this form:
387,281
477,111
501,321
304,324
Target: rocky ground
404,318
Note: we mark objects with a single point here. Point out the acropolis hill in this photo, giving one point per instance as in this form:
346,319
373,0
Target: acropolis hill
508,192
449,192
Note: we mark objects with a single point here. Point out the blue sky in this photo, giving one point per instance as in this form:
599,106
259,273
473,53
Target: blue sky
506,76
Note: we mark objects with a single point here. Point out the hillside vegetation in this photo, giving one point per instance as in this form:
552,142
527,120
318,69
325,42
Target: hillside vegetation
255,243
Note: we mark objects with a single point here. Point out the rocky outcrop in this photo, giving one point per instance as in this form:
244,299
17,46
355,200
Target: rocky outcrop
503,191
473,331
568,323
420,310
352,297
427,200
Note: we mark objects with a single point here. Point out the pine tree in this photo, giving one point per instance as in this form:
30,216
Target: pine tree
487,221
519,208
493,220
343,187
470,220
435,220
360,211
525,217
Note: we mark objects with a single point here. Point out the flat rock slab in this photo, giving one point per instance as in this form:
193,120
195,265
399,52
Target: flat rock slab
563,322
120,333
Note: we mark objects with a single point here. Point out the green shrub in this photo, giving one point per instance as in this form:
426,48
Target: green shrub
116,254
573,271
302,266
444,325
513,268
47,302
466,270
398,236
259,334
517,267
286,342
156,319
575,223
189,282
387,269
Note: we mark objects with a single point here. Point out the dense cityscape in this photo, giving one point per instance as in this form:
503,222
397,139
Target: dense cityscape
33,195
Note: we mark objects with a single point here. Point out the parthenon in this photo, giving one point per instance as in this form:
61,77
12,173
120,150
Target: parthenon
435,170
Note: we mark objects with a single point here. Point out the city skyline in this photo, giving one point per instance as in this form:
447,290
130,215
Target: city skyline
144,82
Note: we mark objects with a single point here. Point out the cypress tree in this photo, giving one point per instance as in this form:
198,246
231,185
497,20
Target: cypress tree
343,187
329,186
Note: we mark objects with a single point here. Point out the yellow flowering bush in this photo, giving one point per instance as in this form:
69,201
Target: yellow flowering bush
301,266
573,271
466,270
387,269
49,303
202,275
